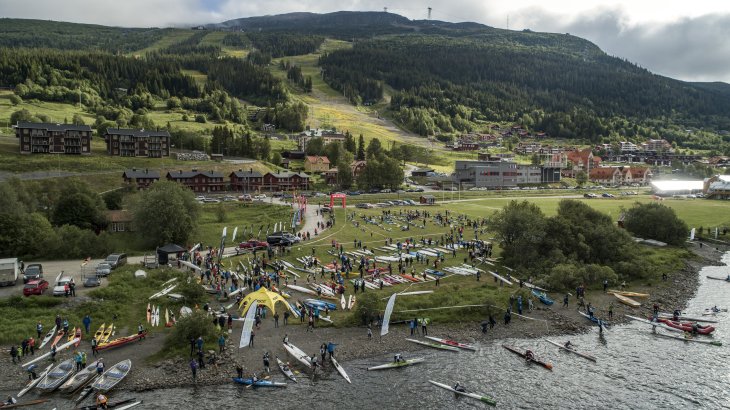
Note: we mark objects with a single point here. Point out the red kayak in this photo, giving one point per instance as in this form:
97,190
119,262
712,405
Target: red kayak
411,278
687,326
121,341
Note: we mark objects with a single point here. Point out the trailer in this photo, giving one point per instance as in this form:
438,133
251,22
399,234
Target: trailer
9,271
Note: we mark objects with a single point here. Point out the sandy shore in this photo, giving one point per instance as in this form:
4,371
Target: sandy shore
353,343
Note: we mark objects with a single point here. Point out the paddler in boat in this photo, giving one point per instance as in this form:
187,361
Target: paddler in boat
695,328
676,314
529,356
398,358
568,345
458,387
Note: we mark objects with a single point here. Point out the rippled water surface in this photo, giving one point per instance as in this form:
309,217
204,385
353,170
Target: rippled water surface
635,370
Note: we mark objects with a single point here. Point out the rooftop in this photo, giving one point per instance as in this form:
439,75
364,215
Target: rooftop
53,127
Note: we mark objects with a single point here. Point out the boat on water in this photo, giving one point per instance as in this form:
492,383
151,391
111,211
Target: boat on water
627,301
284,367
690,339
24,404
258,383
687,326
57,375
340,369
79,379
453,343
600,322
570,349
396,365
523,353
113,376
543,297
32,383
118,405
433,345
727,279
483,398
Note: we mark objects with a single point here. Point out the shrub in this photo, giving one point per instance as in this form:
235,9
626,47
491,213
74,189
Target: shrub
189,327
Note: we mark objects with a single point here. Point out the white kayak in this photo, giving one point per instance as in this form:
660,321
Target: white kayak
496,275
482,398
298,354
394,365
584,355
340,369
286,370
35,381
301,289
48,337
58,349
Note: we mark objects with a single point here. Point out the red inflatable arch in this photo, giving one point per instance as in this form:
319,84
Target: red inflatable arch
343,197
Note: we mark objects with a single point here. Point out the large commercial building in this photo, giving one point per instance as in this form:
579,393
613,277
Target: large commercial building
46,138
137,143
502,174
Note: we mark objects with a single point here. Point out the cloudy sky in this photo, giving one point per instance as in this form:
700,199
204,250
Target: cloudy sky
689,40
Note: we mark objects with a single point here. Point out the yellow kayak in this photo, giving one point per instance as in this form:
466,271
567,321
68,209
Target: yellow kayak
627,301
99,332
630,294
107,334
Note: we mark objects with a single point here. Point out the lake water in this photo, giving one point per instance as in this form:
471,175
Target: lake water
635,370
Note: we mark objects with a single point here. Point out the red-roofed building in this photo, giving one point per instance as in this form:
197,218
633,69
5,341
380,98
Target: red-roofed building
620,175
582,160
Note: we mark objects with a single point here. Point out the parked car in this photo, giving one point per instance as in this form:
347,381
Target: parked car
200,198
103,269
607,195
590,195
211,201
353,193
35,287
362,205
326,209
319,194
259,197
253,244
419,189
245,198
282,239
385,191
374,191
92,282
116,260
32,271
60,288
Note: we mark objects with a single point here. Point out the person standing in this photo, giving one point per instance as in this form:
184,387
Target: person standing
276,319
250,340
565,300
610,311
201,359
192,346
230,322
31,345
331,349
87,323
266,362
323,352
199,344
221,344
39,329
286,317
370,333
194,370
94,350
14,354
100,367
424,323
605,285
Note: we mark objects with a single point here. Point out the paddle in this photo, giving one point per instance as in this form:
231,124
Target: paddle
263,378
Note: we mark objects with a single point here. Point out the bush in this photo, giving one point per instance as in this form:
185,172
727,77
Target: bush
15,100
189,327
200,118
366,308
656,221
191,292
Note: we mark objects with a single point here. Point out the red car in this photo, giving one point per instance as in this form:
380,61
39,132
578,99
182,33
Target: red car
253,244
35,287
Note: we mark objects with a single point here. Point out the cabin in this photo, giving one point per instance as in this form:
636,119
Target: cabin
143,178
316,163
120,220
199,181
427,200
246,181
285,181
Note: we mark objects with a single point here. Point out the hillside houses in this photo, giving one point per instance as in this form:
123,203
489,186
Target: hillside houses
326,135
199,181
581,160
246,181
316,163
125,142
143,178
620,175
47,138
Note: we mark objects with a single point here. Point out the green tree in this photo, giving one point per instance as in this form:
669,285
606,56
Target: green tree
375,149
78,120
276,158
113,199
15,99
166,212
22,116
581,178
656,221
315,146
350,144
360,148
520,229
344,175
77,205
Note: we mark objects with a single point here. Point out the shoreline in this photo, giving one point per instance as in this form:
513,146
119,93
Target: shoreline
353,344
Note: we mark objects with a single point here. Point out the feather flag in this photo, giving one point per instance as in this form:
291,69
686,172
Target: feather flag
386,316
248,325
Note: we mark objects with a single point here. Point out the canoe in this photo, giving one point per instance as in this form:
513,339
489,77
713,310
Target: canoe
112,405
687,326
599,322
340,369
543,297
286,370
163,292
584,355
25,404
727,279
79,379
434,345
31,384
343,303
317,302
121,341
684,339
298,354
107,334
48,337
482,398
100,332
522,353
655,324
258,383
415,292
627,301
528,285
58,337
629,294
394,365
113,376
57,375
450,342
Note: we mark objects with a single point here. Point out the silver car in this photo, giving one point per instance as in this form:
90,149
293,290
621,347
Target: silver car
103,269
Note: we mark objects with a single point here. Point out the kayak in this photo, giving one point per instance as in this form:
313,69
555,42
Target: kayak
630,294
519,352
301,289
684,339
587,356
298,354
258,383
286,370
100,332
482,398
594,319
394,365
627,301
340,369
113,405
343,303
59,336
727,279
48,337
543,297
107,334
25,404
434,345
31,384
655,324
687,326
450,342
121,341
690,318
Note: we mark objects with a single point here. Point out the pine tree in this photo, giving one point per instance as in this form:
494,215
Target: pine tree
361,148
